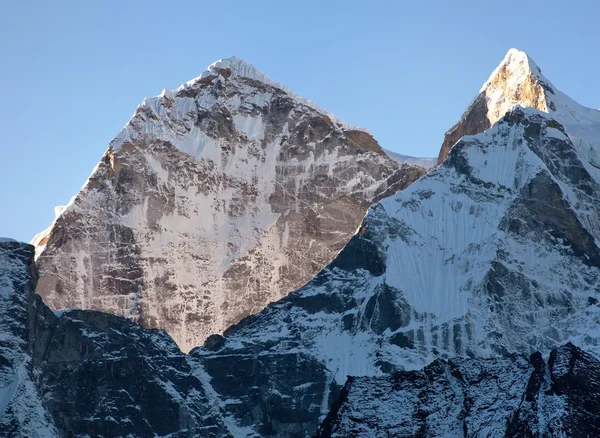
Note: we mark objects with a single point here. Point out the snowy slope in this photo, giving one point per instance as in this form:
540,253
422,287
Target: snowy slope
214,200
493,252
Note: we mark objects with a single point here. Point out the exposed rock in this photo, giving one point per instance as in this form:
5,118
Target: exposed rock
510,397
519,81
215,200
22,411
86,373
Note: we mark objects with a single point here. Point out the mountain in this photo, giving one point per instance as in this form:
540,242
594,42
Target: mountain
478,283
216,199
502,397
485,256
494,252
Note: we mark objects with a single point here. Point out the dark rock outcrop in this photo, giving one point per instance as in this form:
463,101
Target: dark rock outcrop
501,397
86,373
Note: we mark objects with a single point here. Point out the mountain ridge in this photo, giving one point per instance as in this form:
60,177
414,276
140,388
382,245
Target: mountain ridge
490,257
80,373
512,397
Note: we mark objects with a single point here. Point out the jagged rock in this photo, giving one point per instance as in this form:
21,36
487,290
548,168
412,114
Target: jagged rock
500,397
86,373
216,199
22,411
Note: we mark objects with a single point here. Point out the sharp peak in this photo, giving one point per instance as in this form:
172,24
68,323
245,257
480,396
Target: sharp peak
238,67
225,69
517,56
233,67
517,80
516,64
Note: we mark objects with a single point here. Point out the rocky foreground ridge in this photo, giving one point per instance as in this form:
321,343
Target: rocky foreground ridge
513,396
86,373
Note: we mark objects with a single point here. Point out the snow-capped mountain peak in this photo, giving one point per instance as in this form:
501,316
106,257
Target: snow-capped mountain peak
231,67
519,81
516,65
178,106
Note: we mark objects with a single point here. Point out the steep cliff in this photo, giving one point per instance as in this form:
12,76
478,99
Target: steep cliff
216,199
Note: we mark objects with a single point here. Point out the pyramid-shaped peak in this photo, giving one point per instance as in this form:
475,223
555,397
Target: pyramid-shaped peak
230,68
236,67
518,57
516,81
519,81
515,69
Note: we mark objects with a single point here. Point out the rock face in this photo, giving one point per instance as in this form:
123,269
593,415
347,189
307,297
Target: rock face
103,375
22,412
216,199
501,397
519,81
86,373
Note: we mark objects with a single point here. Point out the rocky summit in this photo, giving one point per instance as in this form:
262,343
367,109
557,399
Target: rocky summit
519,81
465,304
216,199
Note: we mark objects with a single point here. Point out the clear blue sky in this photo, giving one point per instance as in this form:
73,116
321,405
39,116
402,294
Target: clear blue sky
73,72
